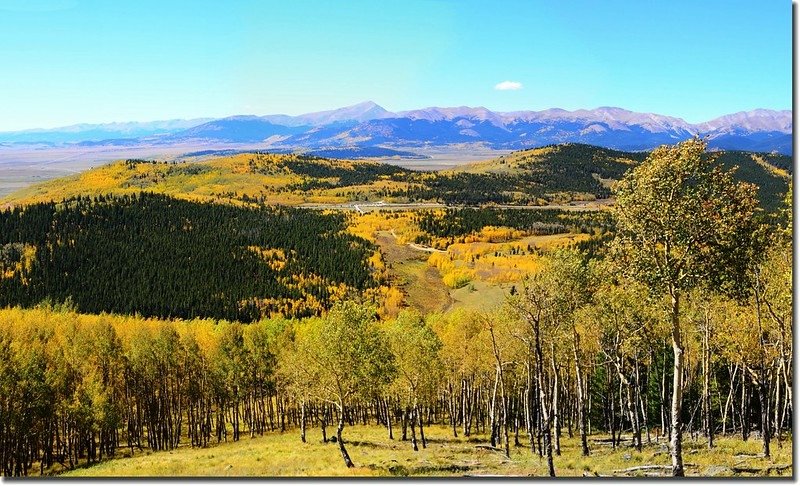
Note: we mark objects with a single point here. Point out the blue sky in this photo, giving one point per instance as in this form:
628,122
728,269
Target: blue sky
71,61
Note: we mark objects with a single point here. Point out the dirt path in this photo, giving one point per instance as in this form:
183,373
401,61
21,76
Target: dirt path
425,248
421,284
363,207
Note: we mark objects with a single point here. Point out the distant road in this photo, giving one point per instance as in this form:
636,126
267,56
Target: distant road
425,248
365,207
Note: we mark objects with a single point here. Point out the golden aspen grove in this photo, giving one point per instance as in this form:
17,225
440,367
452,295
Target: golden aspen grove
563,311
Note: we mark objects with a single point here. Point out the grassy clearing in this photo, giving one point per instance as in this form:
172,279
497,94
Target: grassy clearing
490,266
478,295
422,286
375,455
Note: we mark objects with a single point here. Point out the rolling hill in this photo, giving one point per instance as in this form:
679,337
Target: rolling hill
548,175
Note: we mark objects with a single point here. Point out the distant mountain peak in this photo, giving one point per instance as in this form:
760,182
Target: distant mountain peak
436,113
367,105
360,112
758,120
367,124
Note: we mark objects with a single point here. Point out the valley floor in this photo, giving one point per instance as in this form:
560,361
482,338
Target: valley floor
374,454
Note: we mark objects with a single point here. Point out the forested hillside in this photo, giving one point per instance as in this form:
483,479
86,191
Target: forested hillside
155,255
159,256
552,174
451,225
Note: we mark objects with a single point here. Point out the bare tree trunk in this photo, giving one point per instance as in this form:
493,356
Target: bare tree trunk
303,421
503,399
556,411
611,407
404,424
588,396
663,404
641,401
412,419
323,424
529,405
388,418
677,389
729,399
776,422
493,411
745,407
465,406
580,392
517,416
763,397
543,405
762,381
347,461
452,409
707,419
633,415
421,427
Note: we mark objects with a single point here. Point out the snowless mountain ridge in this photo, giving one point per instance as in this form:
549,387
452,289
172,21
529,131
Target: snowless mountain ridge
369,124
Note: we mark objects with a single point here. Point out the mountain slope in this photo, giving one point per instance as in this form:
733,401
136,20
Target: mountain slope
95,132
369,125
611,127
361,112
548,175
750,122
240,129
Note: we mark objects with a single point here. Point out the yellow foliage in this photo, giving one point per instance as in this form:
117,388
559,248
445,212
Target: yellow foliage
771,168
376,261
457,278
274,257
509,261
441,261
399,223
28,253
391,301
495,234
260,177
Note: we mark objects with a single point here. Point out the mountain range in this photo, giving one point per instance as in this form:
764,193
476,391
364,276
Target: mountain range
368,125
106,131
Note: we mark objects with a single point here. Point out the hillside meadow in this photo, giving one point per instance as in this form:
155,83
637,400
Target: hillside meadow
549,175
375,454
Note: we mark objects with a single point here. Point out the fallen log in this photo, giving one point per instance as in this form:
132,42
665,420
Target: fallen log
742,455
599,440
760,470
649,467
489,448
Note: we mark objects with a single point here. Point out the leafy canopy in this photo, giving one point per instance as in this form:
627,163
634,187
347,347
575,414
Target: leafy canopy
683,221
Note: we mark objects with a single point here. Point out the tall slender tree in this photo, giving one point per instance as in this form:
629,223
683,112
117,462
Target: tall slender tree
683,221
350,359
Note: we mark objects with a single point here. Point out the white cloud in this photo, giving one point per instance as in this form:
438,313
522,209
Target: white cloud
508,85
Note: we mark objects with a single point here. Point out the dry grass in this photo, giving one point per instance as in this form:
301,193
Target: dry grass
375,455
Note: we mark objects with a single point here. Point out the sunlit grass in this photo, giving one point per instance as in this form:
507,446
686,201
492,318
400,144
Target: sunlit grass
374,454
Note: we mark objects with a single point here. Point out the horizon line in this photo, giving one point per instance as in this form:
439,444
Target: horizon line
397,112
